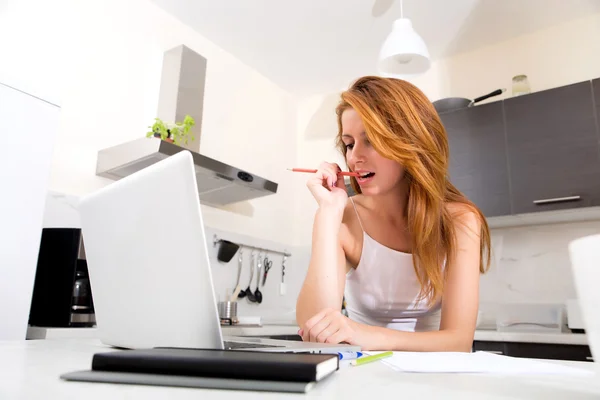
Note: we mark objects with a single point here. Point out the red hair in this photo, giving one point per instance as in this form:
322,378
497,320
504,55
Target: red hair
402,125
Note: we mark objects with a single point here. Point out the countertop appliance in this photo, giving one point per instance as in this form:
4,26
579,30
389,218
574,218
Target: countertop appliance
62,296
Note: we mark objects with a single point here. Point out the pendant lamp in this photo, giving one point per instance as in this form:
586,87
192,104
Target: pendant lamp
404,52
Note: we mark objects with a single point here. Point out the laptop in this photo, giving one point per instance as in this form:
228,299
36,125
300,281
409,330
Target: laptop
149,268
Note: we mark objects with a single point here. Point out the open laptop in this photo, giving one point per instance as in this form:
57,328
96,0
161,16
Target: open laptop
149,267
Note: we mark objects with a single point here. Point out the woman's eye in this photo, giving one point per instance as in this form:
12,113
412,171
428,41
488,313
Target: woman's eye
350,146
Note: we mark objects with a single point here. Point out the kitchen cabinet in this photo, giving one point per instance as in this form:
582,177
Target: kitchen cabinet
553,150
548,351
528,154
478,160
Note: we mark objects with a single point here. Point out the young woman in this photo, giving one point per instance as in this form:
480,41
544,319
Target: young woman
407,250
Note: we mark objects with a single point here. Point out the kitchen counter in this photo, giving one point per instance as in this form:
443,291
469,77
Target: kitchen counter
483,335
31,369
289,329
532,337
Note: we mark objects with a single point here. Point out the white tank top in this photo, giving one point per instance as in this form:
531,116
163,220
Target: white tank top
383,289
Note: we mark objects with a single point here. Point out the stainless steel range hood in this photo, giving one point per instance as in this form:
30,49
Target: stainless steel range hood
181,93
218,183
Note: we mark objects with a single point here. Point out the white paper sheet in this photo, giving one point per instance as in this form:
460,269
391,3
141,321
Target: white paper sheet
478,362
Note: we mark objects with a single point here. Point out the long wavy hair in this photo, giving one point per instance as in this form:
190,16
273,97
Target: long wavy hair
402,125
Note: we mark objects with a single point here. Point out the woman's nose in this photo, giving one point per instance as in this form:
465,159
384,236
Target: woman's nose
357,155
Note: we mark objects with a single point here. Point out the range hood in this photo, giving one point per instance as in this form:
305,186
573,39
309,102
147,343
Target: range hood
182,93
218,183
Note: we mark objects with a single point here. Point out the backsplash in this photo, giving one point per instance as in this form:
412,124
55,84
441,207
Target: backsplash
275,307
530,264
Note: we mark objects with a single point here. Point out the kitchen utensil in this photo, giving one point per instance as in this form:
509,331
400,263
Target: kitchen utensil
342,173
267,265
228,311
249,292
456,103
236,292
282,288
241,293
283,269
227,250
257,292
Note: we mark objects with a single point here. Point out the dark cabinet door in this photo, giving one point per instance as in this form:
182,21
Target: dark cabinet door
596,89
553,149
478,165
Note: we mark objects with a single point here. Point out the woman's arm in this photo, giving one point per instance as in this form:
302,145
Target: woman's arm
324,283
460,303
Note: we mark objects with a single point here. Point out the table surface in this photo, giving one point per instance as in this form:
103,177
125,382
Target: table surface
30,369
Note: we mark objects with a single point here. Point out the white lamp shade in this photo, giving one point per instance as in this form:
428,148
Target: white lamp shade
404,52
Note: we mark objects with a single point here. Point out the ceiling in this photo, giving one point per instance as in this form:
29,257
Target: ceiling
319,46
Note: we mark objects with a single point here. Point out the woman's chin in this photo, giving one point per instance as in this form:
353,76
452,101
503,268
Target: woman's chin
369,190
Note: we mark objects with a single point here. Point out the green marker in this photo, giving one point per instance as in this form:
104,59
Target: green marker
367,359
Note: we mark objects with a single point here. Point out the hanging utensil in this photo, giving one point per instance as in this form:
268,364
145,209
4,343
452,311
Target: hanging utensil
257,292
240,293
267,264
249,292
227,250
282,289
456,103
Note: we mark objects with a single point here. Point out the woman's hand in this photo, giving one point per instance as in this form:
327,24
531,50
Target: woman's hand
331,326
327,187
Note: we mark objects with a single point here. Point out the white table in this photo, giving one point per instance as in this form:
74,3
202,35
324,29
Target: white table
30,370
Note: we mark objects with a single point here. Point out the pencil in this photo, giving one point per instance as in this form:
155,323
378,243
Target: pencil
367,359
342,173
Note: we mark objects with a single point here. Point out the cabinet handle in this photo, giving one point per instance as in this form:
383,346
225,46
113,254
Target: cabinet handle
590,358
557,200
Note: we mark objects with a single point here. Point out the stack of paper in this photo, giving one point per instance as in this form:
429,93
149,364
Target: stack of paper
478,362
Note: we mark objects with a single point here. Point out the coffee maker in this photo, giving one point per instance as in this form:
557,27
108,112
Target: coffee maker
62,295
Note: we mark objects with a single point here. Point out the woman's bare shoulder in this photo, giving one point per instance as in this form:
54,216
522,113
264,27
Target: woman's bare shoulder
464,215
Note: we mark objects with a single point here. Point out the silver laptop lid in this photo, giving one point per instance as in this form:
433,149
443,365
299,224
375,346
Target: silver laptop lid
147,258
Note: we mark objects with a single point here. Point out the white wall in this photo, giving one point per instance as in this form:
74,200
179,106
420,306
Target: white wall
31,59
31,126
110,57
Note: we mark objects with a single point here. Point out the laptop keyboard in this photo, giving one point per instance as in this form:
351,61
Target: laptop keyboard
240,345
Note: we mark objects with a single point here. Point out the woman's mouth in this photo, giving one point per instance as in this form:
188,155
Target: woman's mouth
365,176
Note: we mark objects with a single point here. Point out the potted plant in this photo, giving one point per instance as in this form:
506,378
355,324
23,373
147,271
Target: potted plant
178,132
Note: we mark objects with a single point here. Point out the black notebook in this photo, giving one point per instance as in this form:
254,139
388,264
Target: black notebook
230,369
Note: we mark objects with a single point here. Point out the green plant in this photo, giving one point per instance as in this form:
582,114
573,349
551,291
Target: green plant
179,132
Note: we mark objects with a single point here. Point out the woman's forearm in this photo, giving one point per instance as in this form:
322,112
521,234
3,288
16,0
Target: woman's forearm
321,288
443,340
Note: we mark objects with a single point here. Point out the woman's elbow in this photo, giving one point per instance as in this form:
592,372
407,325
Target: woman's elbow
463,342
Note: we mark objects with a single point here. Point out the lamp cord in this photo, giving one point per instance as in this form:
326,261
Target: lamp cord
401,10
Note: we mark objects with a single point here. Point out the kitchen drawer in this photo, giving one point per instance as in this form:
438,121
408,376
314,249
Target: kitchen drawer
548,351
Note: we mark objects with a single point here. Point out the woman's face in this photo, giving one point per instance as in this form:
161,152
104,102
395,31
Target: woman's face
379,175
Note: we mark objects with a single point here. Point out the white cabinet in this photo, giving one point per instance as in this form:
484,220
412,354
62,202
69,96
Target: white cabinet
28,126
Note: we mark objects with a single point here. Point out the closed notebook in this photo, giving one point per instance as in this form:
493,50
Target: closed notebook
250,365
